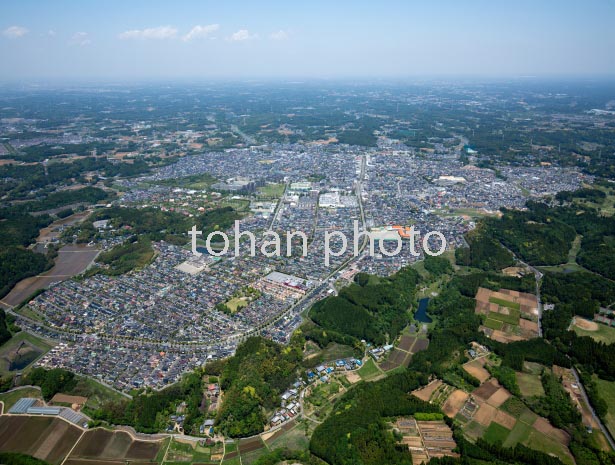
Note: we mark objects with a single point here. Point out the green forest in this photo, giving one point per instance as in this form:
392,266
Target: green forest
376,312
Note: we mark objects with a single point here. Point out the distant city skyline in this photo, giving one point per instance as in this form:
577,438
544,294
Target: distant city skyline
138,40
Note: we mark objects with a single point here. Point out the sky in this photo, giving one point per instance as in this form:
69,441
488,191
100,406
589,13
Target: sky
226,39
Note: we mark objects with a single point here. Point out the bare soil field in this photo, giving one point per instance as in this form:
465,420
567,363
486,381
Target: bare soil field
352,377
486,390
101,444
504,419
499,397
45,438
406,342
455,401
476,369
585,324
396,358
66,399
249,445
72,260
541,424
421,344
485,414
426,392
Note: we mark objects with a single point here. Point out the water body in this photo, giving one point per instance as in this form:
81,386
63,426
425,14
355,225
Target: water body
421,314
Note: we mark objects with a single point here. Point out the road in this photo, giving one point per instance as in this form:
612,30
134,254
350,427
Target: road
605,431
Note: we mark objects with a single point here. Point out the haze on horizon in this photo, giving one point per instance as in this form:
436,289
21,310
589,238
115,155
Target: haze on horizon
241,39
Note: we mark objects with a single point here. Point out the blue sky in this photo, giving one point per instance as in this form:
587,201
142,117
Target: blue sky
327,39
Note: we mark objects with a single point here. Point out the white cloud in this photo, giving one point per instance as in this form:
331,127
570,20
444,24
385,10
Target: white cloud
80,38
161,32
279,35
201,31
14,32
51,33
242,35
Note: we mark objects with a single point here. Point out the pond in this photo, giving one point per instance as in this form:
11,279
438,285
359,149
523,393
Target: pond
421,314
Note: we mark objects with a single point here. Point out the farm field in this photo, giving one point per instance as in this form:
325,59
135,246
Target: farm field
45,438
71,261
507,315
530,385
105,445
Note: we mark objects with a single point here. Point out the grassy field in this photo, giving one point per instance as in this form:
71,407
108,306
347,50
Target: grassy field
195,181
547,445
607,392
493,324
368,370
96,393
236,303
505,303
9,398
336,351
34,346
271,190
530,385
496,433
294,439
520,432
512,318
604,334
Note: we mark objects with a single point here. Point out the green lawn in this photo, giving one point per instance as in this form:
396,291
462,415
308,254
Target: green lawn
604,334
505,303
530,385
607,392
368,370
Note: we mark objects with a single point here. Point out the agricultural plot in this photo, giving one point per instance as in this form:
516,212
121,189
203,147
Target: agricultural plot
507,315
406,342
529,385
45,438
493,414
496,433
395,359
420,345
476,369
426,439
184,451
105,445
